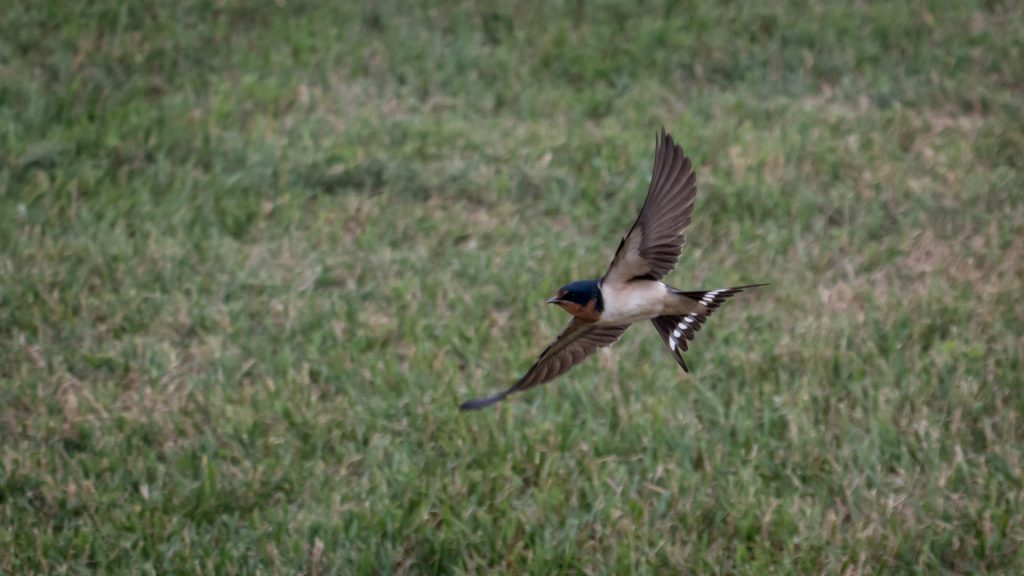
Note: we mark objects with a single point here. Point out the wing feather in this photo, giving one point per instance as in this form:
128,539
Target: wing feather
652,246
577,341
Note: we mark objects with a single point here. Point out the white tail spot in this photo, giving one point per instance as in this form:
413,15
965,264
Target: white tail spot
710,297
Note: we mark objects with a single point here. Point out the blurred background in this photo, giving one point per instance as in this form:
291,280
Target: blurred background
253,254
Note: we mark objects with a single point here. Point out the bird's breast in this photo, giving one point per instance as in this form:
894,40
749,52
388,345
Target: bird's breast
633,301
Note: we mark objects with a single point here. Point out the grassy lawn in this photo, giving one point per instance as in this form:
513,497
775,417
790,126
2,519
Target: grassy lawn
253,254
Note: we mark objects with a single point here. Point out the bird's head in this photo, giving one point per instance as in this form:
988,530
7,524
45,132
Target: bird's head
581,299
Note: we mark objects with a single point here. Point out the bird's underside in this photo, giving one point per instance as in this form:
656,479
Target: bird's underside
645,255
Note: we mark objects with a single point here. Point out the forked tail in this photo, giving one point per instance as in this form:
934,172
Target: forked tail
676,330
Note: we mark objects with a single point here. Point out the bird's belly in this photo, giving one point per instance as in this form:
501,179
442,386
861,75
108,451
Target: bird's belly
634,302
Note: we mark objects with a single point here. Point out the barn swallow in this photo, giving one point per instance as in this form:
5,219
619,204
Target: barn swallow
631,290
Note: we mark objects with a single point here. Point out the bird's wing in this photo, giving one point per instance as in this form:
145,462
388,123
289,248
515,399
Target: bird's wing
575,343
652,246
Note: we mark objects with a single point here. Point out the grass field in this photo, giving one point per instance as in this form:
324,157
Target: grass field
253,255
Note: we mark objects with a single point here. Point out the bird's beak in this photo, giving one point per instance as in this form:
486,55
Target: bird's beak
554,300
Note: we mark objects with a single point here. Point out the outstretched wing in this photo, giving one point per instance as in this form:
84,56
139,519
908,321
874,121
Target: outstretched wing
575,343
652,246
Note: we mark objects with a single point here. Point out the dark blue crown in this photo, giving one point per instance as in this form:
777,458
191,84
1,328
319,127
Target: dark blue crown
583,292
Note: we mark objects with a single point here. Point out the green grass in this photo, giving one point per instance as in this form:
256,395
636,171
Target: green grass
253,254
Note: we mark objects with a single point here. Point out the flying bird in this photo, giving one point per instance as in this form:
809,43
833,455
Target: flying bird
631,290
